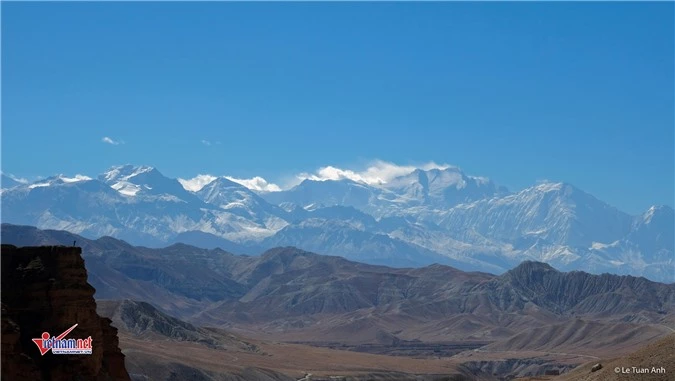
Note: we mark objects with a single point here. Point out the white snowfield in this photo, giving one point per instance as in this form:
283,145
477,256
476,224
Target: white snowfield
386,214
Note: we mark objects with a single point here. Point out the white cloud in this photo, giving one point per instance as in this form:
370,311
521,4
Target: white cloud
378,172
38,185
15,178
74,179
197,183
209,143
109,140
256,183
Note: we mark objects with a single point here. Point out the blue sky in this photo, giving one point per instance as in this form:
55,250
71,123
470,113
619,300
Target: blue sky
517,92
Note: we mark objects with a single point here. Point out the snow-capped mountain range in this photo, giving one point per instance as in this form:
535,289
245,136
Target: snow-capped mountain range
416,217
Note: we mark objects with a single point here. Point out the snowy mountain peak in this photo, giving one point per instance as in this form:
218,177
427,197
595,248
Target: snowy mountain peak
551,186
223,191
442,188
323,182
561,190
443,178
448,175
124,173
428,214
130,180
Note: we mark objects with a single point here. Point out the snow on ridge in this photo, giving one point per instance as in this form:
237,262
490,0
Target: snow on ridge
549,186
119,178
378,174
38,185
126,188
649,214
543,214
125,172
59,179
653,210
599,245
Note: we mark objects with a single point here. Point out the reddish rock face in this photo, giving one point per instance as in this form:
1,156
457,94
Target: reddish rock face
45,289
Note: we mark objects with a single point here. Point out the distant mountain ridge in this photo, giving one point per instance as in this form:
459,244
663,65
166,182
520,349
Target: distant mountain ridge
293,293
428,216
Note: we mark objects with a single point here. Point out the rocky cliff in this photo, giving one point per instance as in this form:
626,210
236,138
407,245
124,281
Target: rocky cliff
45,289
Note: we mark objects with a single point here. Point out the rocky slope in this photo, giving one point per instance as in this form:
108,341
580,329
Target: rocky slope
45,289
143,321
578,292
655,362
580,336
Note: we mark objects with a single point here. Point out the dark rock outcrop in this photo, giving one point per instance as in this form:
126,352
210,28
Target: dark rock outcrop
45,289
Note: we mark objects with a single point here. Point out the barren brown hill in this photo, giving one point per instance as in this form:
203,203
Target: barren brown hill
579,293
143,321
295,296
584,337
327,298
161,347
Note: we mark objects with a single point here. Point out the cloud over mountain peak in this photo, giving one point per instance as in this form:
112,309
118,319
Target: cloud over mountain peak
383,213
256,183
196,183
377,172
